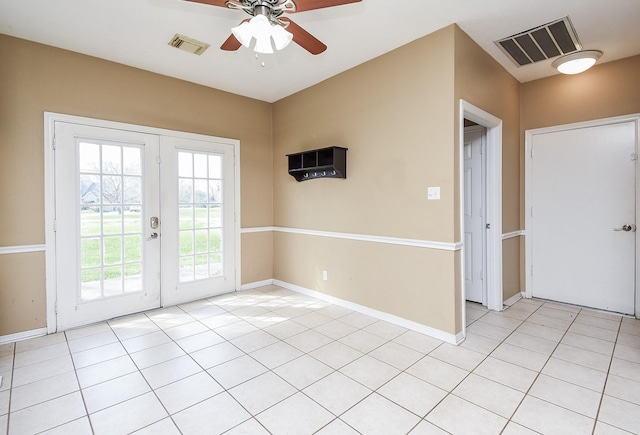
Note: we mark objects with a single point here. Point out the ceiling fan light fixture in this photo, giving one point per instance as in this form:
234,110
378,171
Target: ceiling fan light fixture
243,33
281,37
263,46
575,63
261,28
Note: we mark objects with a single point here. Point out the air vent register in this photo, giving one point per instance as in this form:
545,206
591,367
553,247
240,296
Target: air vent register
542,42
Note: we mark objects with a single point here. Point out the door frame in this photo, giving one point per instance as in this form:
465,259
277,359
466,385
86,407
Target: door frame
50,119
493,197
528,187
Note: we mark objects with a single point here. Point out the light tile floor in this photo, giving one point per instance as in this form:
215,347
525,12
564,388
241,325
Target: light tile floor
273,361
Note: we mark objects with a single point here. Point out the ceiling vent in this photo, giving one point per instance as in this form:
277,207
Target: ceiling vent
542,42
188,44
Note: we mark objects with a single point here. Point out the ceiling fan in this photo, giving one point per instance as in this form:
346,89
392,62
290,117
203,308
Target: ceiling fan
268,23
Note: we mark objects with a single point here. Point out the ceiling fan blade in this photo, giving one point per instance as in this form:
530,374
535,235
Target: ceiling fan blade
309,5
221,3
231,44
303,38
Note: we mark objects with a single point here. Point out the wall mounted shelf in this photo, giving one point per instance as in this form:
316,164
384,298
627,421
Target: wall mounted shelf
328,162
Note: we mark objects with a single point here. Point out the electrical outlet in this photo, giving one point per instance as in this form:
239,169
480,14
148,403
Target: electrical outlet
433,193
325,275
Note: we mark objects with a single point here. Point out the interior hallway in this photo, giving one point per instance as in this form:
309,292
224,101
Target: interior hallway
270,360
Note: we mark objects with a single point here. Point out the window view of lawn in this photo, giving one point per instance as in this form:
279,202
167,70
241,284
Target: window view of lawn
121,242
118,252
200,241
113,227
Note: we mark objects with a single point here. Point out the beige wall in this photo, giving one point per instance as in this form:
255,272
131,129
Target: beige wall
35,78
414,283
394,114
606,90
481,81
22,308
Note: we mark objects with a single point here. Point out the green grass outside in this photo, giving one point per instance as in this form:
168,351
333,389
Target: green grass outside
194,241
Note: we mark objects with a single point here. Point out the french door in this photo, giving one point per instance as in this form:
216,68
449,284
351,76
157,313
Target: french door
142,220
198,215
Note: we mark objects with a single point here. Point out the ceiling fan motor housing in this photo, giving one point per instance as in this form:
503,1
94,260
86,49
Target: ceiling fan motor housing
272,9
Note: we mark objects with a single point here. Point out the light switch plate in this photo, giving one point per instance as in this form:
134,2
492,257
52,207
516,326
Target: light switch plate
433,193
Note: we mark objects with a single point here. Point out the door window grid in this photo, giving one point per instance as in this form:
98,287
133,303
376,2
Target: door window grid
200,214
110,181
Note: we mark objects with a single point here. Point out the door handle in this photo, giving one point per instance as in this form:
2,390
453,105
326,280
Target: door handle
626,228
152,236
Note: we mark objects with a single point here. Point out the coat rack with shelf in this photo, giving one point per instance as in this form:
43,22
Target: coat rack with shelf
328,162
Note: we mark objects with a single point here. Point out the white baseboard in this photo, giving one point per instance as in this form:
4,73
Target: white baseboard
256,284
513,299
4,339
409,324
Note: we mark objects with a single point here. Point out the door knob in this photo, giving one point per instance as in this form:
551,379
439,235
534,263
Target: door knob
152,236
626,228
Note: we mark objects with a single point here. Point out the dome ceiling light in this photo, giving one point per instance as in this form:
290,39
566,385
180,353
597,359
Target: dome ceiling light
575,63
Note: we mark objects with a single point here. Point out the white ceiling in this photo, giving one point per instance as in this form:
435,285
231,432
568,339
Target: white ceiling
136,33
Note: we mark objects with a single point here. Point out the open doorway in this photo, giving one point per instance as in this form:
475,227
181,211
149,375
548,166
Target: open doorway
489,225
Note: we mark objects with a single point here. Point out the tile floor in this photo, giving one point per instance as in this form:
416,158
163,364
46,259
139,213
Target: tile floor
273,361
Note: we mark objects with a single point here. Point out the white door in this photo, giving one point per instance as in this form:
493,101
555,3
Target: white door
582,196
106,193
198,210
474,221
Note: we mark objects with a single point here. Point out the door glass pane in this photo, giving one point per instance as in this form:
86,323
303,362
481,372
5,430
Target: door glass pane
186,243
215,216
200,202
186,216
215,166
89,221
185,165
186,190
133,221
131,159
112,220
215,240
111,189
132,190
111,160
89,156
201,241
132,248
201,268
200,165
200,189
90,252
110,216
215,264
89,189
